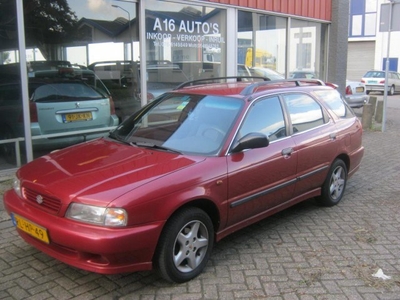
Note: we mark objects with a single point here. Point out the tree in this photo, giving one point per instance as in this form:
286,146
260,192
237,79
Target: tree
48,24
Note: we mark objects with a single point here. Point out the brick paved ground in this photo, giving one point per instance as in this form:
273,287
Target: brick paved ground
306,252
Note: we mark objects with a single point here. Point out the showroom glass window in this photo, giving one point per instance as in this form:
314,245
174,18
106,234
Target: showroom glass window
183,42
307,50
75,35
262,41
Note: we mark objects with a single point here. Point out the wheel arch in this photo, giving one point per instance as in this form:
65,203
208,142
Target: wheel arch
206,205
346,159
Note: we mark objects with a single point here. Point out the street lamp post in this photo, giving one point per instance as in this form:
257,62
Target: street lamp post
129,28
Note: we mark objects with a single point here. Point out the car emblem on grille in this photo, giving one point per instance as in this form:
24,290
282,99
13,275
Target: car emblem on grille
77,104
39,199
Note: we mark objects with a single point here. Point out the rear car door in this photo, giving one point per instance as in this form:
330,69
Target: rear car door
396,79
314,135
261,179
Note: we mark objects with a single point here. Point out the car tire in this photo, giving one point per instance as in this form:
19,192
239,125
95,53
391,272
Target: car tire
185,245
392,90
335,183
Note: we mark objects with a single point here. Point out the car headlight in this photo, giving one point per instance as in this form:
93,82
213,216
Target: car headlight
17,186
97,215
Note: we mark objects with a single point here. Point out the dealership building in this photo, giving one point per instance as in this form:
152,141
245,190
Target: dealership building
179,41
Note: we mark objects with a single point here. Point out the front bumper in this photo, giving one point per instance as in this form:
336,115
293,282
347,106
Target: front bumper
92,248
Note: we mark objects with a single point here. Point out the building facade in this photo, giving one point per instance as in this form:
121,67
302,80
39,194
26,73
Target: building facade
180,41
368,45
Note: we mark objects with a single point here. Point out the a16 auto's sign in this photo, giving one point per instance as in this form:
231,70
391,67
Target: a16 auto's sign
185,34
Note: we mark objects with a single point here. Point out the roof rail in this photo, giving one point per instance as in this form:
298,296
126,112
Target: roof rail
283,83
214,79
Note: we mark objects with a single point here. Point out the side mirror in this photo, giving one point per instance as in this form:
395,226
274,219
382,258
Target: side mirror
252,140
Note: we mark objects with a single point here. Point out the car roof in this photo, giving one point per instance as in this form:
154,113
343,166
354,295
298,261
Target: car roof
380,72
241,88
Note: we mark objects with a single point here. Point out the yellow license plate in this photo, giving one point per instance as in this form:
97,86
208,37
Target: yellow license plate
31,228
84,116
359,89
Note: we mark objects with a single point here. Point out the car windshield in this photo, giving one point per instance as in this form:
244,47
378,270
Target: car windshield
190,124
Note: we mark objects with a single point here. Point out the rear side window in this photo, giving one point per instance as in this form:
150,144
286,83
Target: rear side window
305,113
394,75
335,102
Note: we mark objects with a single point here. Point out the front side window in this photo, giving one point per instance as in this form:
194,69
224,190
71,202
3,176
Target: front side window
265,116
305,113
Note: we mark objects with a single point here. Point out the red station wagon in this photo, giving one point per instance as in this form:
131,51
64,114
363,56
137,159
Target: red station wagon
196,164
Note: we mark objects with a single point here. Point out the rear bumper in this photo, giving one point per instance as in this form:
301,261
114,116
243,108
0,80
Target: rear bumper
375,88
355,159
92,248
356,100
42,141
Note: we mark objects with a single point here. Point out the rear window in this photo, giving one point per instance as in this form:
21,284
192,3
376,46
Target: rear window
375,74
68,91
335,102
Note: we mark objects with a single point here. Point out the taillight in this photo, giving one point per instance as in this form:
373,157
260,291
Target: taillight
382,81
33,112
112,106
348,90
362,80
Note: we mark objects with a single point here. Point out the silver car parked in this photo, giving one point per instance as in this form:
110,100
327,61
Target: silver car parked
355,94
61,101
375,81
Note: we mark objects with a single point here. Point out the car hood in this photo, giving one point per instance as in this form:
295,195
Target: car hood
99,171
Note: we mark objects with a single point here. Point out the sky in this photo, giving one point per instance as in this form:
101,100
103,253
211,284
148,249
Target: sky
101,9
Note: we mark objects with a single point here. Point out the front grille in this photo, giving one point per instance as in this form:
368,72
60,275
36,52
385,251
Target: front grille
43,202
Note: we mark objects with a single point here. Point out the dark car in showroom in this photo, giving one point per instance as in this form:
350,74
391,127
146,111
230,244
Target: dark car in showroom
193,166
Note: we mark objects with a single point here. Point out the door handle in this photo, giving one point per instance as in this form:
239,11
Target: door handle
332,136
287,152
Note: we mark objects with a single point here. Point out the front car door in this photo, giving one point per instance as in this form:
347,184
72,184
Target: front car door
261,179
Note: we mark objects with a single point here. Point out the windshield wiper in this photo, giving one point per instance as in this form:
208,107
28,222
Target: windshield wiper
117,137
153,146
